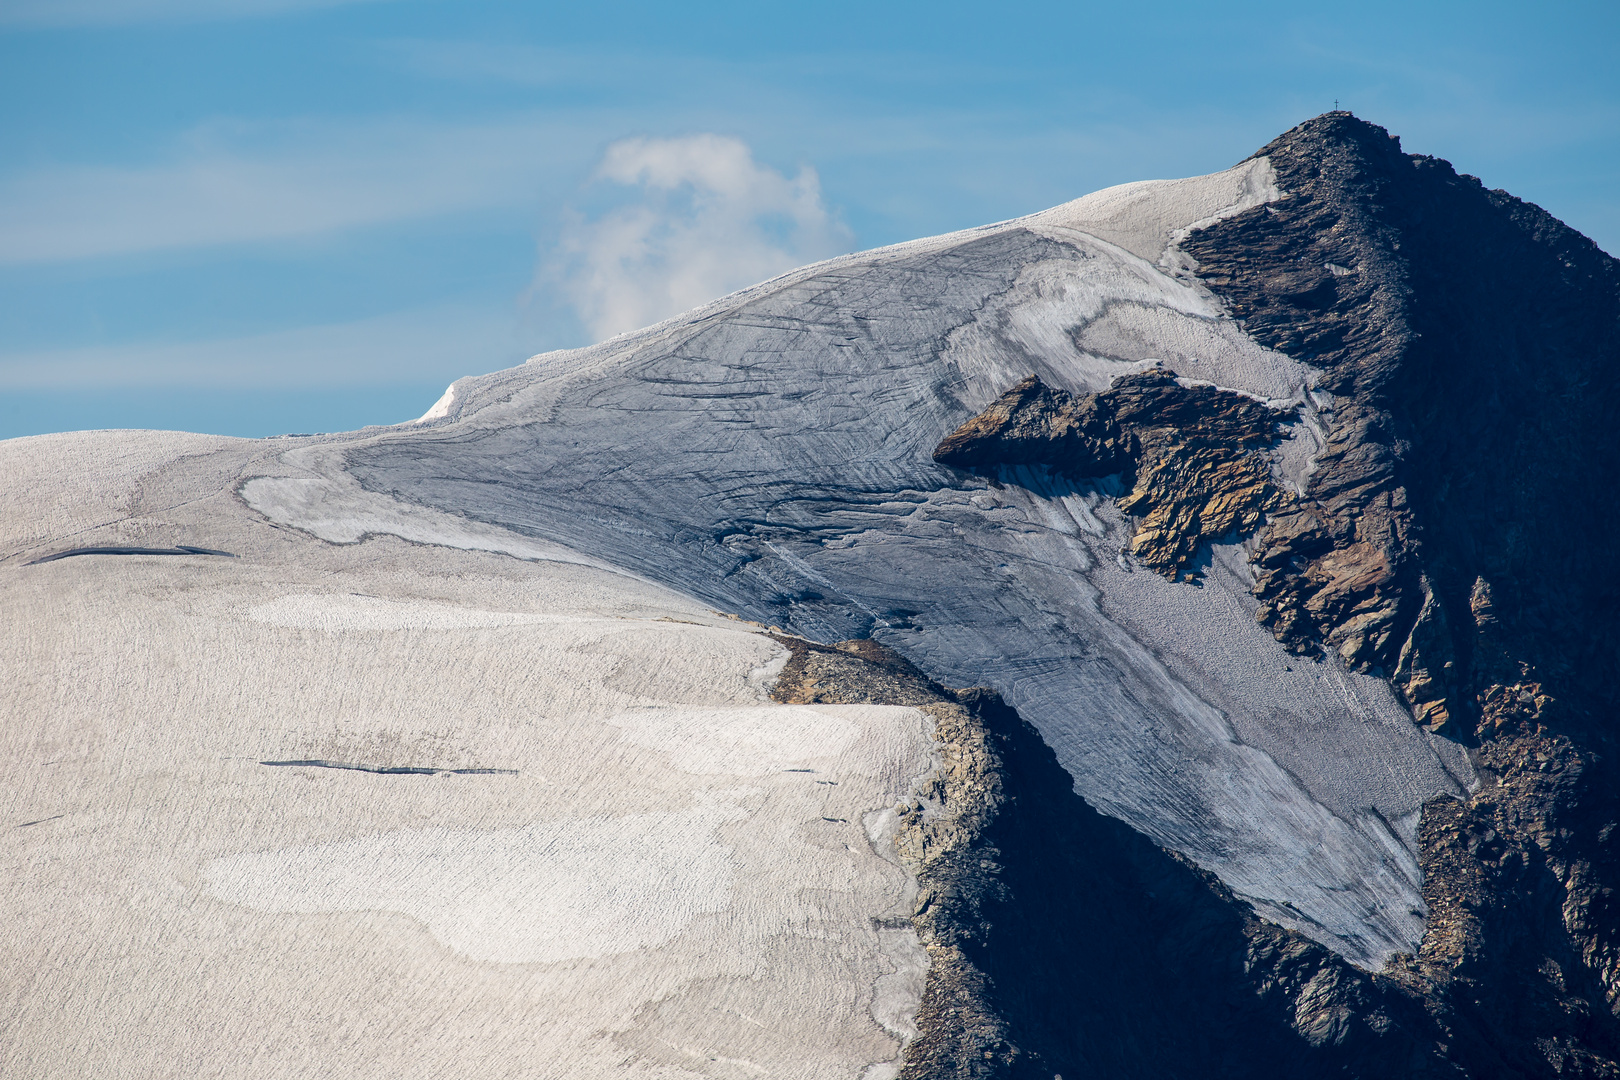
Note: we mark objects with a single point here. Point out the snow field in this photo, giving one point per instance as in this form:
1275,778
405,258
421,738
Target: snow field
651,870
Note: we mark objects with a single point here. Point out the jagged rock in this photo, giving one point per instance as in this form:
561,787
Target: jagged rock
1189,453
1033,424
1061,943
1424,671
1467,337
1472,343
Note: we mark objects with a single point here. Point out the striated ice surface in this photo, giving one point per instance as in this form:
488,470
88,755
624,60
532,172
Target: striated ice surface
770,454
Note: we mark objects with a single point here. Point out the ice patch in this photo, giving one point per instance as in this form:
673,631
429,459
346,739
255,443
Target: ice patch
1210,350
550,891
897,996
741,742
1147,217
335,508
441,408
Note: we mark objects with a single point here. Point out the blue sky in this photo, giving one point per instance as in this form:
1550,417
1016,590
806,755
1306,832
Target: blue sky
260,216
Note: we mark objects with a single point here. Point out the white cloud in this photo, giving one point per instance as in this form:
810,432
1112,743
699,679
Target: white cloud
117,12
704,218
439,343
255,182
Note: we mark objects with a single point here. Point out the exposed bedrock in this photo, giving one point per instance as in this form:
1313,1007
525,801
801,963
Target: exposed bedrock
1472,344
1450,537
1188,454
1062,942
1446,536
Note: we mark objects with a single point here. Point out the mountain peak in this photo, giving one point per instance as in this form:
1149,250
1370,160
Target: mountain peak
1341,130
1331,792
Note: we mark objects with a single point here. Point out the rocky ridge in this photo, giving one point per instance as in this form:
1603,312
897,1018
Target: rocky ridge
1446,538
1189,454
1061,942
1472,343
1469,340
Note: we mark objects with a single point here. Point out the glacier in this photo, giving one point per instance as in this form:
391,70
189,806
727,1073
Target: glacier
769,455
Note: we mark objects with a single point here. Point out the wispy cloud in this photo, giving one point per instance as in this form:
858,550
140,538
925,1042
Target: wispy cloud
703,218
247,183
443,342
119,12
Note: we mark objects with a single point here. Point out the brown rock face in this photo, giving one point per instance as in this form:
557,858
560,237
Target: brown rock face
1470,341
1450,537
1190,454
1473,345
1063,943
1328,573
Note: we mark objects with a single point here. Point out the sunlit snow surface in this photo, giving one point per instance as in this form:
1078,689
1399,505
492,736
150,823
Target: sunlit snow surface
769,454
391,809
534,894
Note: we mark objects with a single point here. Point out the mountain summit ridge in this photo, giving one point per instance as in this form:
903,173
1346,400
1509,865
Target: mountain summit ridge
1469,344
1478,367
668,625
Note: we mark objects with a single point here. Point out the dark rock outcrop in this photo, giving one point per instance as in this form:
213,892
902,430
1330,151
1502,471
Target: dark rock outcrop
1189,454
1472,344
1451,537
1062,942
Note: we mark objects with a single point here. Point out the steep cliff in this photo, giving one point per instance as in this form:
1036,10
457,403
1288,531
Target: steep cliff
1448,536
1452,537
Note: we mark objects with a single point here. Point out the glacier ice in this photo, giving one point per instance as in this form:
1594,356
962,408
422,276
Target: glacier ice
769,454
